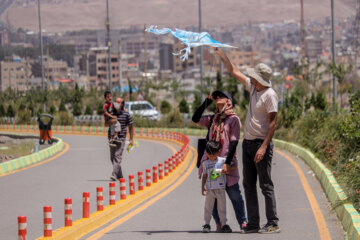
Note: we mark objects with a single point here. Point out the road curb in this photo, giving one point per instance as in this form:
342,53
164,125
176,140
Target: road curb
347,214
21,162
84,226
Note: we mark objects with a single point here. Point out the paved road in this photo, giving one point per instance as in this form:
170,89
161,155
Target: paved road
178,215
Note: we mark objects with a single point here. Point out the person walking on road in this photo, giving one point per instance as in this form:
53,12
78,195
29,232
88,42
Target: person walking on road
224,127
111,120
213,187
257,146
116,152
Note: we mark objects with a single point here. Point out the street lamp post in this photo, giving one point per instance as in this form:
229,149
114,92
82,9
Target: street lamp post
9,77
333,53
42,54
108,42
201,55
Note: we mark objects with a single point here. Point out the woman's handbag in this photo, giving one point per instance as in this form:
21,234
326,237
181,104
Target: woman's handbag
202,144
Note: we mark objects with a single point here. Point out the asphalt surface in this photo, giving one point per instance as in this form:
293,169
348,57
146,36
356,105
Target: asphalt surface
178,215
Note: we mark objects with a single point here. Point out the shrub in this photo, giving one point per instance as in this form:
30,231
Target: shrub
23,117
183,106
320,101
2,110
62,107
335,140
52,109
99,109
165,107
76,109
10,112
63,118
174,119
88,110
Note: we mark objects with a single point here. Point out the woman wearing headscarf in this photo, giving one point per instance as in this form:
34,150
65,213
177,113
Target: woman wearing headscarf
224,127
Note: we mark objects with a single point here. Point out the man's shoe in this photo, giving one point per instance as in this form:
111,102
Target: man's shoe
270,228
206,228
113,178
249,229
226,229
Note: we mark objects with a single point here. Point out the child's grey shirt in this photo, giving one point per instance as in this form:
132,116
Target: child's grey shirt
214,179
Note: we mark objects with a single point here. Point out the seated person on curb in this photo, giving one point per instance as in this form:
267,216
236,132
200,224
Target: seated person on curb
111,120
215,182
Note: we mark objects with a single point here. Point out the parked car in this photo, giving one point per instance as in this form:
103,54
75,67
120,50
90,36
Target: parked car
143,109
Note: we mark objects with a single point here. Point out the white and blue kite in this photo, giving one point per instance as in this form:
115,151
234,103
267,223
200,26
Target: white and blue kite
191,39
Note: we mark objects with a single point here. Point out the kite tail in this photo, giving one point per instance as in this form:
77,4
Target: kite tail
185,55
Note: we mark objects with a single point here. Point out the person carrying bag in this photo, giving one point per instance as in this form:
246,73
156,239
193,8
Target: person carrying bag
196,118
224,127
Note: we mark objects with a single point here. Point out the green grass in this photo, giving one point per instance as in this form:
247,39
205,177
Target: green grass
17,150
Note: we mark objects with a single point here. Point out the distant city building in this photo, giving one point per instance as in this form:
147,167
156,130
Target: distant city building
244,59
4,38
55,69
135,43
94,64
313,47
181,66
14,73
166,56
81,43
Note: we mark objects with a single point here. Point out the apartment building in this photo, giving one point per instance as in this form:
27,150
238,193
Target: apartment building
181,66
244,59
14,73
95,64
54,69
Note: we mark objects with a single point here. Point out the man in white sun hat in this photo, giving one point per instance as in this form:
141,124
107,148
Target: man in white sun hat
257,146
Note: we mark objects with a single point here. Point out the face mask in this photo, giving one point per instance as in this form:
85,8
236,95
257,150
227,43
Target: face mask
116,106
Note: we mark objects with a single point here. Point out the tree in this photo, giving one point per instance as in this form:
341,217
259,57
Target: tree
76,109
77,94
62,107
340,71
99,109
183,106
31,108
52,109
245,101
2,110
291,110
21,107
10,111
62,52
219,83
88,110
320,101
165,107
232,88
197,102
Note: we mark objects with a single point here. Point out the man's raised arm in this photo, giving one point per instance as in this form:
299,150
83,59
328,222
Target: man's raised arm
232,69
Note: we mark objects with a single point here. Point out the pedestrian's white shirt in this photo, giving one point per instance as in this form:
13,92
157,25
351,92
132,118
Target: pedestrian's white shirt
261,104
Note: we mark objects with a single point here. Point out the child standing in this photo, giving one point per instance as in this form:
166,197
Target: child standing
111,120
213,186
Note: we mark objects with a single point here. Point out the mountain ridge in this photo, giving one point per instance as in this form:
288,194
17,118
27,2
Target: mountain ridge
69,15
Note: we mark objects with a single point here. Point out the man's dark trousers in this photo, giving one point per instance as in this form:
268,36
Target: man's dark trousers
250,172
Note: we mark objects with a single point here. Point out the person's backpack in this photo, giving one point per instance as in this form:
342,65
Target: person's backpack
202,144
